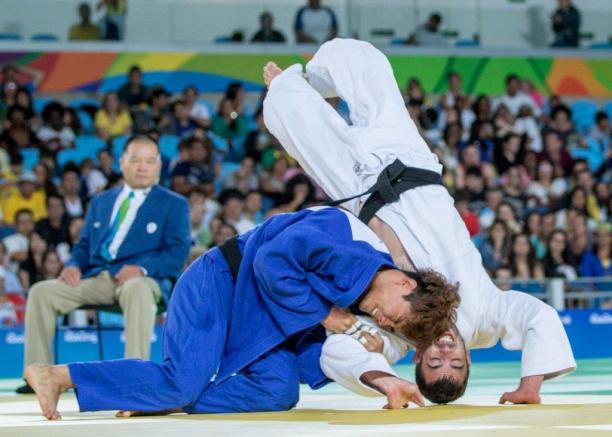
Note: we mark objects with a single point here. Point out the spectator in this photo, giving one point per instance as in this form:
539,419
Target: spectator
198,168
315,24
597,262
236,95
224,232
30,270
184,124
70,189
513,189
22,75
566,25
601,131
299,193
114,19
533,228
506,213
232,203
94,180
495,247
200,234
515,99
17,133
258,139
44,179
84,30
494,197
266,32
54,134
198,111
522,260
64,250
18,244
157,115
578,235
603,200
546,187
253,207
560,122
428,33
482,108
133,93
24,197
107,167
527,126
510,154
557,262
556,154
272,179
23,99
529,88
229,123
454,82
54,228
469,217
244,179
111,265
112,119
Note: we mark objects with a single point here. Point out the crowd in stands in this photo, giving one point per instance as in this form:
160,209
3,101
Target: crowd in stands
314,23
531,174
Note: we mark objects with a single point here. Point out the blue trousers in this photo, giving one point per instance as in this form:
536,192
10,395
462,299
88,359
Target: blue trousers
194,340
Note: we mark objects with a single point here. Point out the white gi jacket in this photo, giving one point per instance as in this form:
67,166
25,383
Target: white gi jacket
347,159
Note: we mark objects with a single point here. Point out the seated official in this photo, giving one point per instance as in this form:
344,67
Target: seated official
135,238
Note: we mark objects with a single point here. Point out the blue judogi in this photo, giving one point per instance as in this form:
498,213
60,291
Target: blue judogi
245,346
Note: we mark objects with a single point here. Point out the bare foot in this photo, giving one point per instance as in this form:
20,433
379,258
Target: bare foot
48,382
125,414
270,71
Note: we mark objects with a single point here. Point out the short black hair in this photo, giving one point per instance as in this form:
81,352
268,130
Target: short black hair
22,211
511,77
135,69
141,138
443,390
600,116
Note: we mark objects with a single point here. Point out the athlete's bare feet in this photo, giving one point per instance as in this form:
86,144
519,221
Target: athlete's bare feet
125,414
48,382
270,71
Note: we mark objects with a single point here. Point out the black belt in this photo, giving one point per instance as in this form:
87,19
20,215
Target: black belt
395,179
232,255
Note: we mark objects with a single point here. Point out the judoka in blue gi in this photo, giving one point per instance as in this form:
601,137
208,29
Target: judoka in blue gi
246,346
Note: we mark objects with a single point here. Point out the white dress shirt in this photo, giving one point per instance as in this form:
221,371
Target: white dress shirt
124,228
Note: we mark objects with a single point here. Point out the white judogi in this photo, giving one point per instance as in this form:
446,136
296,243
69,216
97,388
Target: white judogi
346,160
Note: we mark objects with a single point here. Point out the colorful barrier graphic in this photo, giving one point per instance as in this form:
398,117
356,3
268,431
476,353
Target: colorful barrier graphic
82,71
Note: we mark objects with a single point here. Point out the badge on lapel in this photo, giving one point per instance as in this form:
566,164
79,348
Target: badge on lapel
151,227
96,225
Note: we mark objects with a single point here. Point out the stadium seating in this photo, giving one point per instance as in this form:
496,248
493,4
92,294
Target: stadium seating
44,37
89,144
168,145
118,145
30,157
583,114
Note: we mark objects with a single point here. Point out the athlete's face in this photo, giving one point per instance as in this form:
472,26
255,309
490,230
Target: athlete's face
446,357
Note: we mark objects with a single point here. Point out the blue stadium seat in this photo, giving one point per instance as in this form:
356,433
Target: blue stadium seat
10,37
70,155
89,144
39,103
236,151
87,123
593,154
398,41
583,114
168,145
227,168
606,45
118,145
44,37
607,107
218,143
30,157
467,43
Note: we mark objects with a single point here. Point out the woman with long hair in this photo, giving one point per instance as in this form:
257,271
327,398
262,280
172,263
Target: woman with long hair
557,261
522,260
112,119
495,248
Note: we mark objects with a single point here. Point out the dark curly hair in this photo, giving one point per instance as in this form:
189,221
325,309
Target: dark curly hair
442,390
434,305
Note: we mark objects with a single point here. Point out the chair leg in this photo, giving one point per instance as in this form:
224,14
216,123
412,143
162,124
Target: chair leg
99,329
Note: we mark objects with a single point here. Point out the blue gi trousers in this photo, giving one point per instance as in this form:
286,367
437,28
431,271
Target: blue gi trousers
194,340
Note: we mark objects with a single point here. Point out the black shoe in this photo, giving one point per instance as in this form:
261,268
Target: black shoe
25,389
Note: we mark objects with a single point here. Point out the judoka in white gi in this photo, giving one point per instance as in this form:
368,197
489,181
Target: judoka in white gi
422,228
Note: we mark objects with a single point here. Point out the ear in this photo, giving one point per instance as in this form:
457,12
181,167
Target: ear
409,282
468,358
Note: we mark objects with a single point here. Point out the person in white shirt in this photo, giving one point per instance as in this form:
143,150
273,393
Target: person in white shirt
315,24
428,33
515,99
422,229
198,111
18,244
232,203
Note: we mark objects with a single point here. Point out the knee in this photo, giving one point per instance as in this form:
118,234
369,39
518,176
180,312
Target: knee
137,289
40,291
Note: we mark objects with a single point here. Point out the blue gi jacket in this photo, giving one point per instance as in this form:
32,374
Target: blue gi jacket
295,267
